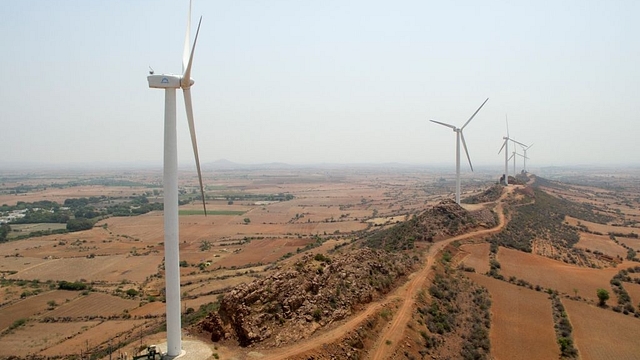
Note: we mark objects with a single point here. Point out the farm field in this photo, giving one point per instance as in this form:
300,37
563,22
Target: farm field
603,334
96,335
32,306
601,228
99,268
33,338
477,257
522,323
93,304
601,243
557,275
25,229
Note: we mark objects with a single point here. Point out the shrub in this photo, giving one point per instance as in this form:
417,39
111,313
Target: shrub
603,296
73,286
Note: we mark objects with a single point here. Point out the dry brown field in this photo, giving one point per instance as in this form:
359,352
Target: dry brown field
548,273
99,334
101,268
601,228
60,195
208,286
476,256
634,293
94,304
197,302
630,242
603,334
601,243
13,263
521,321
33,305
35,337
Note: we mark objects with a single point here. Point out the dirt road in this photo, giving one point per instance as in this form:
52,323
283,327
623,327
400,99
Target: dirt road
394,331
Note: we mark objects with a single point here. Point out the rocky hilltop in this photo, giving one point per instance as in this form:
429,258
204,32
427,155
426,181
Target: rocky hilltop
316,290
444,220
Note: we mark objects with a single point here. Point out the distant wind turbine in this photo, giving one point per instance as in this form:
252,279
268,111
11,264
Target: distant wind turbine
171,82
513,156
505,146
460,135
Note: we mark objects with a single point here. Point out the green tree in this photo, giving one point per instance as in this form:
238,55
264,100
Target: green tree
603,296
247,221
5,229
132,292
79,224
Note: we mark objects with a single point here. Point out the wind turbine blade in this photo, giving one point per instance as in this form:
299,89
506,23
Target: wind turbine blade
503,145
507,121
187,44
464,144
441,123
518,142
192,129
474,114
512,155
186,76
529,147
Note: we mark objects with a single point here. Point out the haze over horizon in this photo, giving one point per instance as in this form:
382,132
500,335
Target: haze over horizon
328,82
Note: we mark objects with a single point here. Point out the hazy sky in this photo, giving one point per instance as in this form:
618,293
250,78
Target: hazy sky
322,81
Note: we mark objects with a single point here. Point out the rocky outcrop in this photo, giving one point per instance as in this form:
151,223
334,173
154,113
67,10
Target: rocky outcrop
491,194
444,220
317,290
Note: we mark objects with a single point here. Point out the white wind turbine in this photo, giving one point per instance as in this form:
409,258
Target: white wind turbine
513,155
505,146
460,135
171,82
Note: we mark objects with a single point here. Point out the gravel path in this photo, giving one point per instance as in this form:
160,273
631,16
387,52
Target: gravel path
192,350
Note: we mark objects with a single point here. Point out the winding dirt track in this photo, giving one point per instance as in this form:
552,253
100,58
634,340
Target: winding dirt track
394,331
406,294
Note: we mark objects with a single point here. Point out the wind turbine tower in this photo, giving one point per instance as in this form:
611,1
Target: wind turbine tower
460,135
513,155
505,146
171,82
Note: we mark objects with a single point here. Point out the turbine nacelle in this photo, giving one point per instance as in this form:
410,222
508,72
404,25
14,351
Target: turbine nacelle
166,81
